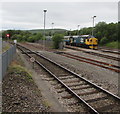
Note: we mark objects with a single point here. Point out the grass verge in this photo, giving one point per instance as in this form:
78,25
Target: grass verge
17,69
113,45
20,93
5,48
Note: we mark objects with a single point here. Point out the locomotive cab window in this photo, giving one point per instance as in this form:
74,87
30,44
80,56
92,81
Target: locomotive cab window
88,40
91,40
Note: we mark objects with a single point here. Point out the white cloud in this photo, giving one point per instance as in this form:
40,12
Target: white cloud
60,0
27,15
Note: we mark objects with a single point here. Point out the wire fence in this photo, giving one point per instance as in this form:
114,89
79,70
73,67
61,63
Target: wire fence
7,57
47,43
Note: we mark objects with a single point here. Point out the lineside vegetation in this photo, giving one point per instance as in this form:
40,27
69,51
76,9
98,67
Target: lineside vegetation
107,34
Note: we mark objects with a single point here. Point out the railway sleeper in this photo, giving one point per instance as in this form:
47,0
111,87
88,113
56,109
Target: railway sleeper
72,81
81,88
101,104
87,93
93,96
76,84
67,97
96,99
62,75
61,90
58,87
109,108
80,94
89,89
67,77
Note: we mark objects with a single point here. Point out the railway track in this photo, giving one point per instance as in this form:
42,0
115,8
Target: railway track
115,51
94,53
108,66
81,93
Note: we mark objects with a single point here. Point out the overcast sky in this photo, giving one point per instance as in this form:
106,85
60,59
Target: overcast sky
66,15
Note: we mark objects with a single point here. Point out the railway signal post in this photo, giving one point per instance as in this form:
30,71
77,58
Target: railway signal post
7,35
32,59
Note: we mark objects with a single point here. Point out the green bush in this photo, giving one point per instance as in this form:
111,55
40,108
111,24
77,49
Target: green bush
38,36
113,45
57,38
30,39
103,41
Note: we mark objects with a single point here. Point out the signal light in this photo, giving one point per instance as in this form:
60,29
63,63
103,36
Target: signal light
7,35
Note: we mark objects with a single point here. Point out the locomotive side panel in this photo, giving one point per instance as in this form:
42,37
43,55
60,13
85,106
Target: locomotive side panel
86,41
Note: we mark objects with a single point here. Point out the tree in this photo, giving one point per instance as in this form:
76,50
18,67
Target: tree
86,31
38,36
104,40
31,39
57,38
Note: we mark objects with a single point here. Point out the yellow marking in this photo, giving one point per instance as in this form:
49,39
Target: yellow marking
110,65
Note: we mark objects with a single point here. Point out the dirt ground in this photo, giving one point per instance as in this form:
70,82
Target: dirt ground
19,92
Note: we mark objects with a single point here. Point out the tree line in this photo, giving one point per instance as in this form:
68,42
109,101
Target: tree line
104,32
22,36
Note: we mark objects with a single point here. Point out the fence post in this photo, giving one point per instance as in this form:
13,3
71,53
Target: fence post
0,60
7,57
118,39
0,74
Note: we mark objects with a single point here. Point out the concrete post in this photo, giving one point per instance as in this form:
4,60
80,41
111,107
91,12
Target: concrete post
1,74
118,55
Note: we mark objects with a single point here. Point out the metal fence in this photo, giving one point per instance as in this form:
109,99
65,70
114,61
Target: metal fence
7,57
47,43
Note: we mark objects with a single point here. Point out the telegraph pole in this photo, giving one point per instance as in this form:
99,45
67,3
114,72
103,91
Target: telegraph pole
93,25
52,29
44,28
78,30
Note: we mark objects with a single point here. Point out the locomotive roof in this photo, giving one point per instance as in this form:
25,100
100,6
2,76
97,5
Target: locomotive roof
83,36
66,36
87,36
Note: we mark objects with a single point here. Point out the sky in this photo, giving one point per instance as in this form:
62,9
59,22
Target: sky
65,15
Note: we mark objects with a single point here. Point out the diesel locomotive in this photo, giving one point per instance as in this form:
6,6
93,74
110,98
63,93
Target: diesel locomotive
87,41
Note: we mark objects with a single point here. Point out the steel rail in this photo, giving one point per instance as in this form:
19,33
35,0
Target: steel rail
91,61
96,86
109,50
94,53
114,52
91,109
77,75
115,70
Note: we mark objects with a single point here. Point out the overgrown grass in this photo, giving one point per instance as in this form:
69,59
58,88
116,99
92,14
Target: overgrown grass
18,69
113,45
5,48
